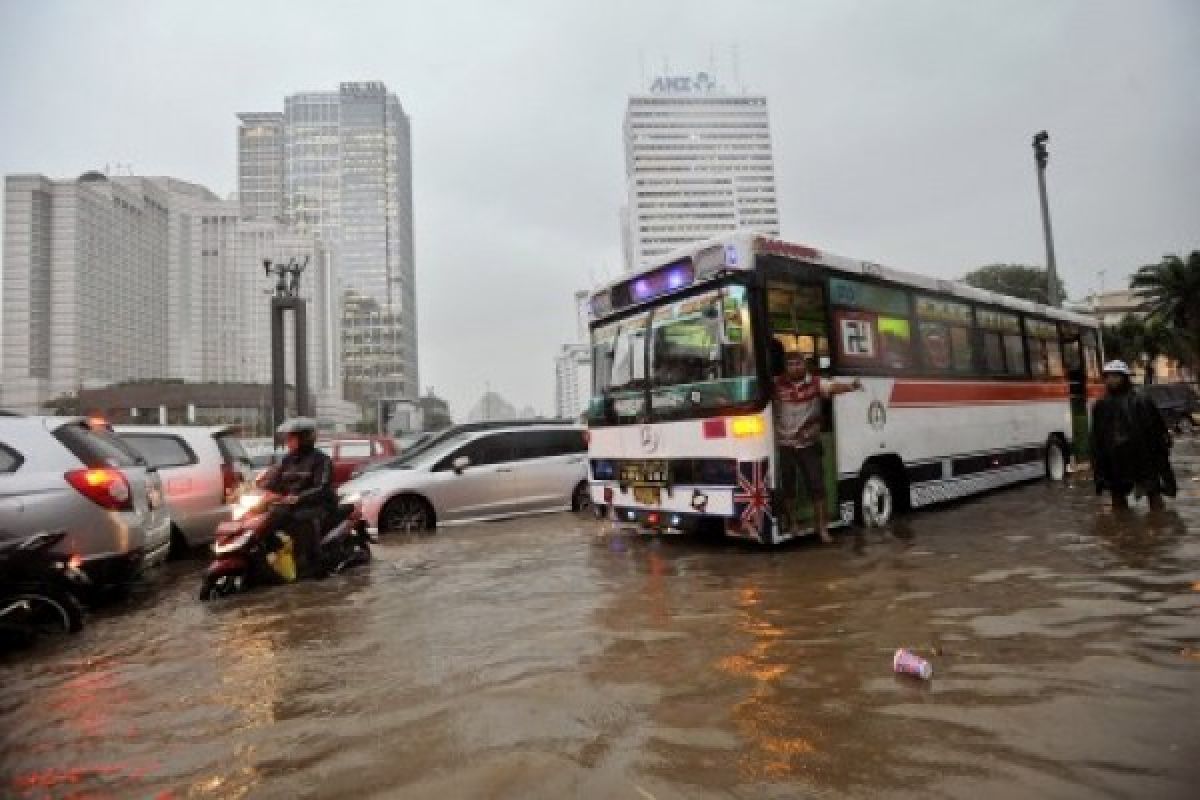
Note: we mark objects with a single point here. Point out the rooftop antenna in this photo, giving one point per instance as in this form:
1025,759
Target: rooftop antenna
737,68
642,69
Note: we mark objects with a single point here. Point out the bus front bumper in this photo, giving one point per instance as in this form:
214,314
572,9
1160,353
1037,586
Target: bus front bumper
682,508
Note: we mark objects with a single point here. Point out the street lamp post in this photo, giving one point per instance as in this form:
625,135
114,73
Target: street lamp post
1041,156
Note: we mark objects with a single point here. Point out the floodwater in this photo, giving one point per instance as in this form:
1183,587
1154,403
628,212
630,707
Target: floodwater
555,658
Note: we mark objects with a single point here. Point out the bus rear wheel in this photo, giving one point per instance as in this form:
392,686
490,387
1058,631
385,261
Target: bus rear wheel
876,498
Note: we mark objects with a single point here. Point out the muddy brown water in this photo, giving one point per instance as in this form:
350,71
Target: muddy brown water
555,658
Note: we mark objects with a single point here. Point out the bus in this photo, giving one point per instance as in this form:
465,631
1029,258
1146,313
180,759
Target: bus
964,390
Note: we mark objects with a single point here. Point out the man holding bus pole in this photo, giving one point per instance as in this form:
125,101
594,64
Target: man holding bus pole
798,395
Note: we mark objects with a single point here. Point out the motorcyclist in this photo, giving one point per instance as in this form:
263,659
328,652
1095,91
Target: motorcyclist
301,488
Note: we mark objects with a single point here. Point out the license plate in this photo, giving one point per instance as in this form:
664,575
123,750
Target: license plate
647,495
634,472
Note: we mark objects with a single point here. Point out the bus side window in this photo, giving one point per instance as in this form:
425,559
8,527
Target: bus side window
1014,354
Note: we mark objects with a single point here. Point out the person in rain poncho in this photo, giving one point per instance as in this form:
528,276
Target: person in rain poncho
1130,443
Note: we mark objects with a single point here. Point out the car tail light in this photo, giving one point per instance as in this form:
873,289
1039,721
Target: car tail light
230,482
107,488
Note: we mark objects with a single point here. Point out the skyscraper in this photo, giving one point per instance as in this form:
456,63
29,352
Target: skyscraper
698,163
572,380
260,164
347,176
113,279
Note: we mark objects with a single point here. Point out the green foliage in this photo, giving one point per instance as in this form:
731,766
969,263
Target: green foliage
1014,280
1171,292
1139,340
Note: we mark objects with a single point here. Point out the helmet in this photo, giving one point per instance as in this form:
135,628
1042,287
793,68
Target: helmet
1118,367
301,425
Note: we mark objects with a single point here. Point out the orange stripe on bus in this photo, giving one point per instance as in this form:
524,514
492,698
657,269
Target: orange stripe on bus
965,393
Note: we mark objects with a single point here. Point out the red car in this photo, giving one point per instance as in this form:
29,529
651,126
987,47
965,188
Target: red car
352,451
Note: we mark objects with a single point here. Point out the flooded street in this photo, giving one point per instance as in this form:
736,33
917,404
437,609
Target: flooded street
553,658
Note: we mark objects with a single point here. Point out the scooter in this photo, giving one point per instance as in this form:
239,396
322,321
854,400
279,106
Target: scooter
247,552
39,588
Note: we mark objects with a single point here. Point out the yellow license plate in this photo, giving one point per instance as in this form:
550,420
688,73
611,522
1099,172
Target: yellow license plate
647,495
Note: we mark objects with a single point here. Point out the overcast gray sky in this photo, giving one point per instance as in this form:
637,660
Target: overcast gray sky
901,130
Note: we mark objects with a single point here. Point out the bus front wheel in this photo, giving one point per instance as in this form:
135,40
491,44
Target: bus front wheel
1056,459
876,498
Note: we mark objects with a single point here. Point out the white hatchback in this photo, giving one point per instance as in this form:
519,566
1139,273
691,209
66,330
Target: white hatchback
477,474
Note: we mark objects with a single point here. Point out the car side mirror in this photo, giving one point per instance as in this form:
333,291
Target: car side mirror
461,463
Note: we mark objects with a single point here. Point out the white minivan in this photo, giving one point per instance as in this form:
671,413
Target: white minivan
203,470
477,472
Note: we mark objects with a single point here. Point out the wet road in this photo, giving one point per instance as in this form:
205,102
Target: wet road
553,658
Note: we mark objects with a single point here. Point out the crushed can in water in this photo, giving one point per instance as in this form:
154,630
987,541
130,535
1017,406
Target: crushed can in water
908,663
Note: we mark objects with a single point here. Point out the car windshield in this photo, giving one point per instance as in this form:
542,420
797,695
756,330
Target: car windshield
688,357
428,449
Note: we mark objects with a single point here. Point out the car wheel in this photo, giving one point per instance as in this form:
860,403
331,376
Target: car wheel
51,610
406,514
1056,459
876,498
581,500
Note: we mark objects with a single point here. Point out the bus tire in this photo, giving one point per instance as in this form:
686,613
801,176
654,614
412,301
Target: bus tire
1056,458
878,497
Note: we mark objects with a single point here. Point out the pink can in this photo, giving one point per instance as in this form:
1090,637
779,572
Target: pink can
908,663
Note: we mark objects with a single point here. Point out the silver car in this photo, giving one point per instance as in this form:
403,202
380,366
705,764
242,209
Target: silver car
477,475
203,470
60,473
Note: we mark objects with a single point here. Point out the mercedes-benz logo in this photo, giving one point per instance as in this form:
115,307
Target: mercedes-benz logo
877,415
649,438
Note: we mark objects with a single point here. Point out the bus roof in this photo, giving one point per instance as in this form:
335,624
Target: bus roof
736,252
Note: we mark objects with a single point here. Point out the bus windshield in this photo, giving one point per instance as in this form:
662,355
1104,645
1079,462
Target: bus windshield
689,357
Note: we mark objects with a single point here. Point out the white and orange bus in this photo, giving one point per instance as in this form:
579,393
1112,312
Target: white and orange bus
964,390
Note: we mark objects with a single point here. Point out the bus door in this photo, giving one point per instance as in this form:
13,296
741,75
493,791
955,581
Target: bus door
1075,366
796,310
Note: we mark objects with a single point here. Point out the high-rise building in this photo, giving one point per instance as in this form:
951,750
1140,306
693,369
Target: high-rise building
698,164
260,164
572,380
112,279
347,176
83,286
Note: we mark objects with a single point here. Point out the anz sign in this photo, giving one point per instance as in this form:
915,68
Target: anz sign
700,83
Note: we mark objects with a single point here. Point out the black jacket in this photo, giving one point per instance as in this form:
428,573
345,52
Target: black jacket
307,474
1130,445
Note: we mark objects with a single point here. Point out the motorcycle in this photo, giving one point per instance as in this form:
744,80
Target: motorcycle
247,551
39,588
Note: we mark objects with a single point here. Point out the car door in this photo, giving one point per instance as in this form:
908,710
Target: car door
486,486
14,487
551,467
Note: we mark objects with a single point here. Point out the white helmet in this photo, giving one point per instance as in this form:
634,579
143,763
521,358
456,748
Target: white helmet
1118,366
298,425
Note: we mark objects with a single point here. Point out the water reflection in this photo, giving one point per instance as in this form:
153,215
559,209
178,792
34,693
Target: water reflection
555,658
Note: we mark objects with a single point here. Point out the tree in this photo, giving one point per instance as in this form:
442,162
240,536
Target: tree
1014,280
1138,340
1170,290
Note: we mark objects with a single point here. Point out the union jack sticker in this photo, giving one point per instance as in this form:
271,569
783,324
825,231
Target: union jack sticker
752,501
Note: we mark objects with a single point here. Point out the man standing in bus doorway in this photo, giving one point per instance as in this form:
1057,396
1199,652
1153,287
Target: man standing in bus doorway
1130,443
798,395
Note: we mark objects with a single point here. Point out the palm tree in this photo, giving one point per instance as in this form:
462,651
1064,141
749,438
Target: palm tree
1170,291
